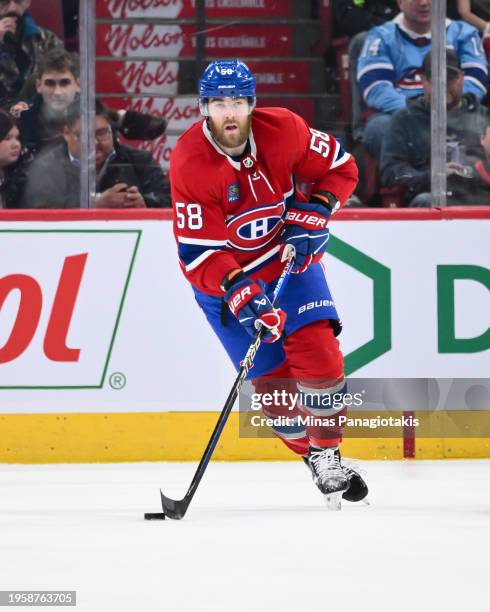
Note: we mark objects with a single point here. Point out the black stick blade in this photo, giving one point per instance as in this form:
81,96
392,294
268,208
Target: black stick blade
174,509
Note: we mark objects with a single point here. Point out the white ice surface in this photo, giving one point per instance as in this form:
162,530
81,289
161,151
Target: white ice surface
256,538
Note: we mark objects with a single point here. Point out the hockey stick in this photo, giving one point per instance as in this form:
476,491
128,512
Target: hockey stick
176,509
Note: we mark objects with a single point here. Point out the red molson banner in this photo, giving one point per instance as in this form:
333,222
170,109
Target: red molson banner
136,77
162,78
173,9
179,113
162,40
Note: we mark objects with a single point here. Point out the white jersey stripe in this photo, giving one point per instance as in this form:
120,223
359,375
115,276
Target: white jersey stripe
368,89
374,67
198,261
201,241
476,82
345,157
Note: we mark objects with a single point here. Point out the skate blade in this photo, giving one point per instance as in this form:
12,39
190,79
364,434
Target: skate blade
333,501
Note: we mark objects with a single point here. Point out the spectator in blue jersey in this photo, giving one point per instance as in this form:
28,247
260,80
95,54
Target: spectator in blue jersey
406,151
388,69
355,18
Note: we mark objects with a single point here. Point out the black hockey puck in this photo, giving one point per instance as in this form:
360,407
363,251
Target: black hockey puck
154,516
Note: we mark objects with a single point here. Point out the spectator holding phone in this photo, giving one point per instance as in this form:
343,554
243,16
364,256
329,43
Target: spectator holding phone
126,177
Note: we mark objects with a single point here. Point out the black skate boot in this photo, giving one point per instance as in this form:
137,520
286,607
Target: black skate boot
328,474
357,490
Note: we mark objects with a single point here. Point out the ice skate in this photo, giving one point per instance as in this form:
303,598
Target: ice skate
328,474
358,488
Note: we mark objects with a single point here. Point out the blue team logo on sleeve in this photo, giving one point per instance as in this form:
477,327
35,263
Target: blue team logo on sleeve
233,192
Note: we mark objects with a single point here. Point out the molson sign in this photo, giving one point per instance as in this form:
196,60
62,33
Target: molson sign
179,113
162,78
171,9
170,41
138,77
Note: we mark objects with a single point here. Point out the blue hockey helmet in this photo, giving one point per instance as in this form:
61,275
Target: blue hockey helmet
226,78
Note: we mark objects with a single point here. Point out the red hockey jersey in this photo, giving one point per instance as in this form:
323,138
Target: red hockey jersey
229,214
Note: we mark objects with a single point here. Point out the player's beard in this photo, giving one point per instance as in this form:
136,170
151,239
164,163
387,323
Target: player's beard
233,139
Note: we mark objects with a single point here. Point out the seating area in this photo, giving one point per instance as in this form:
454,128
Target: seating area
149,57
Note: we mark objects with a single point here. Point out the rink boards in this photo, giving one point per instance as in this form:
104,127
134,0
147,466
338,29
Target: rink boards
104,355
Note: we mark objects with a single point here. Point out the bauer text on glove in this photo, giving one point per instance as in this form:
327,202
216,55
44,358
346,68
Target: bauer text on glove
306,230
248,302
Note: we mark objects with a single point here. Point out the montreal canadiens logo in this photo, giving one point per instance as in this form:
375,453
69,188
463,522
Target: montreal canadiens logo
255,228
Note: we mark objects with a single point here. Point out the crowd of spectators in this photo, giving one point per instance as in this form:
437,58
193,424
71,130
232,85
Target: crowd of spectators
405,159
390,82
126,177
40,128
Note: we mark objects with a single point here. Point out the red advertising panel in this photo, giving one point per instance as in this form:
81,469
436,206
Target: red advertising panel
137,77
162,78
281,77
171,41
178,9
179,113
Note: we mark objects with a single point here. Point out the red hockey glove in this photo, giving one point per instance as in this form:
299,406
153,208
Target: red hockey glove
248,302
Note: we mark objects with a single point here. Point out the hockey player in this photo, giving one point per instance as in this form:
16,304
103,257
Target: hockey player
236,208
